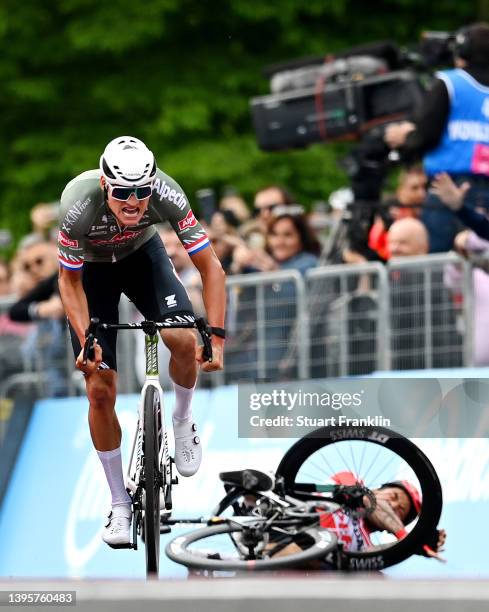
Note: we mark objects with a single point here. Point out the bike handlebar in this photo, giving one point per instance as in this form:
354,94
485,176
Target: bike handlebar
150,328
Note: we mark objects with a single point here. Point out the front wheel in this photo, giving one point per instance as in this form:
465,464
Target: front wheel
152,480
223,548
374,456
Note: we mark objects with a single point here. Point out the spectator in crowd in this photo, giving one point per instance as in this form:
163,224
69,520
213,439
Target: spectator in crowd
224,236
450,131
290,245
408,237
291,242
455,197
4,279
12,334
44,218
266,200
234,202
468,244
45,345
416,345
408,202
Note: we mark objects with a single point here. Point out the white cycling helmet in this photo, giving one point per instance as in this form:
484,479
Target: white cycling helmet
128,162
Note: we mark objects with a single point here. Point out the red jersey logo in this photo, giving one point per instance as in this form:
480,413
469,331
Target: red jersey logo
189,221
65,241
119,238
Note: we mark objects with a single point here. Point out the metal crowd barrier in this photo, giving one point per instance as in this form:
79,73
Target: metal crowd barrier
348,313
335,321
431,321
268,327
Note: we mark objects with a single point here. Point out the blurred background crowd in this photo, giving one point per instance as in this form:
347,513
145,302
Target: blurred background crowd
272,233
324,278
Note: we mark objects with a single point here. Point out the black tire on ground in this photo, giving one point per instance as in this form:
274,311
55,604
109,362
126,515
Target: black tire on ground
152,481
431,491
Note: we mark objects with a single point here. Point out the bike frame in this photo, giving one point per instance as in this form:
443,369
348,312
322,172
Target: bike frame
135,462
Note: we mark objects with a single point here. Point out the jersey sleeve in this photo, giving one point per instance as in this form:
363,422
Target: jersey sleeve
70,233
172,205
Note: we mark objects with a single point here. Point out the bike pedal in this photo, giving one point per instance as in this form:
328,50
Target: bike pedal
165,529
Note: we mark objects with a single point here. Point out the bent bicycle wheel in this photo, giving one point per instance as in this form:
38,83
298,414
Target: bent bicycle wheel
152,481
215,549
374,455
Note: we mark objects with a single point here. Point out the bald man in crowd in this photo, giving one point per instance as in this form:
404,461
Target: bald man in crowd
412,347
407,237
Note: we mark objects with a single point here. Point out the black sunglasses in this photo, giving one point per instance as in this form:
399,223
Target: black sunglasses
124,193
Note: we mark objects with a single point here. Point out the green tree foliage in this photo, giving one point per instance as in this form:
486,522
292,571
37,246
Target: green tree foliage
178,74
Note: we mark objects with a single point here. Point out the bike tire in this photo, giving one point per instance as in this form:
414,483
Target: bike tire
429,516
177,550
152,481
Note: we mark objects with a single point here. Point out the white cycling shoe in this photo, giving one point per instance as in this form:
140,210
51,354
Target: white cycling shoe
117,531
188,450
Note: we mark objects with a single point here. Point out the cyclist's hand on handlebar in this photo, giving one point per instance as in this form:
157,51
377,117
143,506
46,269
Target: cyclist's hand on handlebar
217,362
91,366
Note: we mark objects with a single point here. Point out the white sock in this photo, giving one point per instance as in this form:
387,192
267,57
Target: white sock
112,464
183,398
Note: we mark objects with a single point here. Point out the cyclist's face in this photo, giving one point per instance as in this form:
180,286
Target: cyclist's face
397,498
129,212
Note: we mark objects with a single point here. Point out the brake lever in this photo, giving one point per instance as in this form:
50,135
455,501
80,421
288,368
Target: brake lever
88,350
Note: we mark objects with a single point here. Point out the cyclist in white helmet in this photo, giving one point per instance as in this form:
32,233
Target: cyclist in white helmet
108,245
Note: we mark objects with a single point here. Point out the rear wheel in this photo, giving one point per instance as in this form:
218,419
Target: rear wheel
374,456
152,481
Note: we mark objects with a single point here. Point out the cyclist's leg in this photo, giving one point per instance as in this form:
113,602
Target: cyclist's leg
101,288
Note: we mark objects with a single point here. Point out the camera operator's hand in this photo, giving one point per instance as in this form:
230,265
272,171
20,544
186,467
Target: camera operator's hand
395,134
449,193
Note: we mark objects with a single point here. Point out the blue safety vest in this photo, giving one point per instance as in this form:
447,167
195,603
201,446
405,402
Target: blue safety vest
464,146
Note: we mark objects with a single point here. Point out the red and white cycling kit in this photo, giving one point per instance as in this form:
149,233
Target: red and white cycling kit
352,532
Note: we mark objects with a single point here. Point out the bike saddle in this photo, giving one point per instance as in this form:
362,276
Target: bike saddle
253,480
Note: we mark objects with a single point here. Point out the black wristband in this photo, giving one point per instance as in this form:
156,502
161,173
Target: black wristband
220,332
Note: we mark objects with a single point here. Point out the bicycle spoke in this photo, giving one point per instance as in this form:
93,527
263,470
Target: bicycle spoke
341,456
356,472
364,449
383,469
364,476
328,465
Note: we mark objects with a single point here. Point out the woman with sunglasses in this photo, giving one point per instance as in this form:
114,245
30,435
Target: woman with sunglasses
108,245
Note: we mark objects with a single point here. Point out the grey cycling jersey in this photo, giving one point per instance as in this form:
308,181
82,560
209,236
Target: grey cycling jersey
89,231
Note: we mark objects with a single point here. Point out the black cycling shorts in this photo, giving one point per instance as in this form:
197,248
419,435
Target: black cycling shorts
147,278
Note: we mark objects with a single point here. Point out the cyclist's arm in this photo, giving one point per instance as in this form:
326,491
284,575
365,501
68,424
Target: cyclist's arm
384,518
176,209
74,300
213,285
214,294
